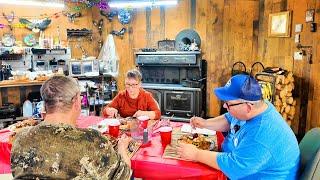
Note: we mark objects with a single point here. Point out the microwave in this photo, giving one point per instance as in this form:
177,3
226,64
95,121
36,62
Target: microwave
84,68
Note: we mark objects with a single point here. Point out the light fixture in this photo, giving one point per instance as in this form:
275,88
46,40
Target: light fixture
140,4
57,4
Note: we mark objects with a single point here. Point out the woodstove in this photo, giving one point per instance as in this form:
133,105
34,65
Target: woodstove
176,80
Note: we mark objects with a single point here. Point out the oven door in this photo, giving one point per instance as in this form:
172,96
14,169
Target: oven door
157,95
179,103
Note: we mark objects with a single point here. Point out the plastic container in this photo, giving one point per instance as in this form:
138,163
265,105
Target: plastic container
27,109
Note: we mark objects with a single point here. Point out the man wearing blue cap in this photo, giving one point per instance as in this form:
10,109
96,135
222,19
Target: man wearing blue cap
259,144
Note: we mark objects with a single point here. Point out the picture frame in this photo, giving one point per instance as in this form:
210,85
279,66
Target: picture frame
310,15
279,24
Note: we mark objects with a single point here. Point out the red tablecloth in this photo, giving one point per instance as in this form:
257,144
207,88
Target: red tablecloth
5,149
147,163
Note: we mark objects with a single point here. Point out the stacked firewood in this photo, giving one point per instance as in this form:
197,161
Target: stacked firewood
283,100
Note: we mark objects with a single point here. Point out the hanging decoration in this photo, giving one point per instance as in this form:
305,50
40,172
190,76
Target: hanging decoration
8,40
36,25
99,25
124,16
9,18
119,33
108,15
72,16
30,40
84,4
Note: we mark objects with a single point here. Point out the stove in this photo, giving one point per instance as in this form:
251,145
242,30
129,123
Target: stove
175,100
163,74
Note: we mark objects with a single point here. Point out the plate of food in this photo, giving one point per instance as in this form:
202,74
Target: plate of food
15,128
199,140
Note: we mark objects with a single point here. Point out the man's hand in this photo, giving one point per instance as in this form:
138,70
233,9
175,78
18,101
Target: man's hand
123,143
111,112
197,122
187,151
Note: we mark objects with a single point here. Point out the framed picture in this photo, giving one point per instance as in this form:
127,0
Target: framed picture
279,24
309,15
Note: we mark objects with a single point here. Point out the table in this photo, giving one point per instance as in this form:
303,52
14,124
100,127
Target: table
147,163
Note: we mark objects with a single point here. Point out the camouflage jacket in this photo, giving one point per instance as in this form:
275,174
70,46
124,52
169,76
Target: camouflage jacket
65,152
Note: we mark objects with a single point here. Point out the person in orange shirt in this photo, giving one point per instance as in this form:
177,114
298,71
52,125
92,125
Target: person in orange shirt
133,101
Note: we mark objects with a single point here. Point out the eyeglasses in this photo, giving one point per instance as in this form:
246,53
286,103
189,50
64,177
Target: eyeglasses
131,85
230,105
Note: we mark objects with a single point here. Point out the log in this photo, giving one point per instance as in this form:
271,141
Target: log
287,109
294,102
289,100
292,111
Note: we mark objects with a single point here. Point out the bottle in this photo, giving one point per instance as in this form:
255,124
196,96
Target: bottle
145,136
56,41
27,109
41,40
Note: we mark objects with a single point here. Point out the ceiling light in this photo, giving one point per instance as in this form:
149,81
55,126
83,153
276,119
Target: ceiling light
33,3
140,4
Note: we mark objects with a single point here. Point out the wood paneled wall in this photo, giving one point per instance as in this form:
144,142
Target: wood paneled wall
230,30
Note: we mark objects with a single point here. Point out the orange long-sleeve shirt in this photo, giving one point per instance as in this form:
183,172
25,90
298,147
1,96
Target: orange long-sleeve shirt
127,106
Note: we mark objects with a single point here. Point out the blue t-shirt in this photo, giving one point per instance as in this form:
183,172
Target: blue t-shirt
264,147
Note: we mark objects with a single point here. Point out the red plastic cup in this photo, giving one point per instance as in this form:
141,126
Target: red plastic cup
165,133
143,121
114,125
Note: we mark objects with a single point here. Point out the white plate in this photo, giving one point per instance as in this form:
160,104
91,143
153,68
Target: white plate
103,126
100,128
188,129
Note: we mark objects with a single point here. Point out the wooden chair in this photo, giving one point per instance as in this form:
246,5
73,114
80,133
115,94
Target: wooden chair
310,155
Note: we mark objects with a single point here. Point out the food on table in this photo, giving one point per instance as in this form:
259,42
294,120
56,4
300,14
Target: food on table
15,128
199,140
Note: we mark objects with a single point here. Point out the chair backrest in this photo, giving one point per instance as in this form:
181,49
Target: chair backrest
310,155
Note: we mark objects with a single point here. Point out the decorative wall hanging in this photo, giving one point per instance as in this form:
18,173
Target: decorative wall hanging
8,40
100,43
72,16
9,18
119,33
279,24
99,25
124,16
79,32
36,25
30,40
108,15
84,4
310,15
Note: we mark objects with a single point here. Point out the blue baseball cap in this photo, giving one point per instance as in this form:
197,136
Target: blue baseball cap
240,86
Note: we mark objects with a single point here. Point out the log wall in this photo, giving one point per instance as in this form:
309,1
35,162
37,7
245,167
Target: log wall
230,30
